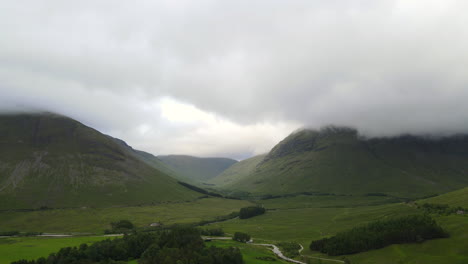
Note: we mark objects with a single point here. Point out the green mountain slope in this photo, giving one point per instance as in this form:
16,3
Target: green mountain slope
147,158
454,199
54,161
237,171
337,160
196,169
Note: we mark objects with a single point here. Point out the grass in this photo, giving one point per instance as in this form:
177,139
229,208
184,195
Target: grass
95,220
294,219
451,250
250,253
305,218
325,201
289,223
455,198
12,249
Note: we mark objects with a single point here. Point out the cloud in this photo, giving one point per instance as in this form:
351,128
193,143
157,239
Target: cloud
204,133
257,68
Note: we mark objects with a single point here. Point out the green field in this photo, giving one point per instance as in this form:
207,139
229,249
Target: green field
302,219
286,220
455,198
250,253
297,219
325,201
95,220
12,249
29,248
453,250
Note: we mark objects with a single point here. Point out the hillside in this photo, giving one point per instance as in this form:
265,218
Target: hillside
237,171
195,168
147,158
48,160
454,198
336,160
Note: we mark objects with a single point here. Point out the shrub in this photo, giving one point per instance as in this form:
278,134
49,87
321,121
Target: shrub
251,211
241,237
290,249
9,233
212,232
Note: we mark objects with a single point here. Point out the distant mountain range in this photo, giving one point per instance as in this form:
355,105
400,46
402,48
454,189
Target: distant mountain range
337,160
195,168
48,160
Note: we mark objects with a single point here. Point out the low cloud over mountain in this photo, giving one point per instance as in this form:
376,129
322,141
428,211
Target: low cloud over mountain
223,78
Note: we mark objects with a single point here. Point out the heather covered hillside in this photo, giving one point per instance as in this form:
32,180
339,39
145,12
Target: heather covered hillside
48,160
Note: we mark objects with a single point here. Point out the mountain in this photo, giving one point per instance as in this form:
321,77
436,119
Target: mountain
48,160
195,168
337,160
147,158
237,171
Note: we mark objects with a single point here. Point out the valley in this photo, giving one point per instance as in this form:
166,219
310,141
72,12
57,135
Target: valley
234,132
59,176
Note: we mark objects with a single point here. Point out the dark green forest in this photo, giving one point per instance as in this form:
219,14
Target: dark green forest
251,211
408,229
181,245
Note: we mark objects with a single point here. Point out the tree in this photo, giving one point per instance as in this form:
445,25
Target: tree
241,237
122,224
251,211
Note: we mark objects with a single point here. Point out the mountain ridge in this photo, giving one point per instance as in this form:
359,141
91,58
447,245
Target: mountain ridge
338,160
196,169
49,160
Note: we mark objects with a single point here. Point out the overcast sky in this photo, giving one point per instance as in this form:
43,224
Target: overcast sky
232,78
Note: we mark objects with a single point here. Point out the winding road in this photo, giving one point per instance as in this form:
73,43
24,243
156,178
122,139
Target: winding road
276,250
278,253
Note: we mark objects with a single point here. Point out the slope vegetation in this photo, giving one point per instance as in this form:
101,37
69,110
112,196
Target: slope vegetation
48,160
336,160
196,169
454,199
237,171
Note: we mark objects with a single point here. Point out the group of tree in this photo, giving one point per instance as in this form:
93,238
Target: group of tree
17,233
408,229
198,189
212,232
218,219
440,209
289,249
181,245
241,237
120,227
251,211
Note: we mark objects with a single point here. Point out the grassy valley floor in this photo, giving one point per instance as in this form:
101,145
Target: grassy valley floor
96,220
252,254
306,218
296,219
16,248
